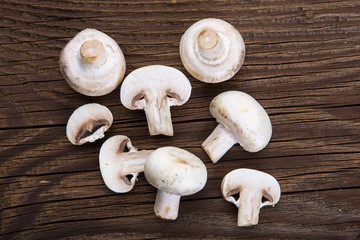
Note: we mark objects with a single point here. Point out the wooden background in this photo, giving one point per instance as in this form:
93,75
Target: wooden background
302,65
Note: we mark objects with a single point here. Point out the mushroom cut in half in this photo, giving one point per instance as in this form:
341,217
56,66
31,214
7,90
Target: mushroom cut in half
174,172
241,119
155,89
92,63
256,189
120,163
212,50
88,123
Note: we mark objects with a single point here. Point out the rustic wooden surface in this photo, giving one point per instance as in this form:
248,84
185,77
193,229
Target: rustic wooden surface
302,65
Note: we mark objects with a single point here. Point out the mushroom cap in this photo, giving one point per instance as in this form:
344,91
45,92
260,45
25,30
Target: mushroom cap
252,181
88,123
175,171
152,81
229,59
112,166
244,117
92,81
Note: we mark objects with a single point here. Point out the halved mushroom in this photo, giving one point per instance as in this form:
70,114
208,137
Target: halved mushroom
256,189
92,63
241,120
155,89
120,163
212,50
88,123
174,172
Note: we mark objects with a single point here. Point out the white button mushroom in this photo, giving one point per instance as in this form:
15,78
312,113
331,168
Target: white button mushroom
256,189
174,172
154,89
241,120
212,50
92,63
88,123
120,163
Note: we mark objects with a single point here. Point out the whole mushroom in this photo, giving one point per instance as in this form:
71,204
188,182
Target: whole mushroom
241,119
88,123
174,172
155,89
92,63
120,163
212,50
256,189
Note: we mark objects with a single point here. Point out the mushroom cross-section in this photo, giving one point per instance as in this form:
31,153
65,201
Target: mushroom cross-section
88,123
155,89
174,172
212,50
120,163
241,119
92,63
256,189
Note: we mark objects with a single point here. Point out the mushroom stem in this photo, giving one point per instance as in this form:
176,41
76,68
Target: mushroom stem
207,39
92,53
159,119
166,205
214,49
249,208
135,161
218,143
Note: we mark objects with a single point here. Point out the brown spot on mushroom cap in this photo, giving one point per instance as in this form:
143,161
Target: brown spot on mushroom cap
89,128
182,161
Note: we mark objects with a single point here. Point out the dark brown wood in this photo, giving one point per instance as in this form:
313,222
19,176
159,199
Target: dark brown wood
302,64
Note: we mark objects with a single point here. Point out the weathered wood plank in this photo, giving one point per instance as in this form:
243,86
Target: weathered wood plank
302,65
111,214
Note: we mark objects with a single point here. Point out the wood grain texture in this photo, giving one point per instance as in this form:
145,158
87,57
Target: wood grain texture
302,64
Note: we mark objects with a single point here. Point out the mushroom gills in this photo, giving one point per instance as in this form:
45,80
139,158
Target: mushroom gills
97,132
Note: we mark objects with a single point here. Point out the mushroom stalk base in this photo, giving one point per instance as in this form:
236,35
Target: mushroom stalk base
134,161
249,209
159,119
92,54
166,205
218,143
